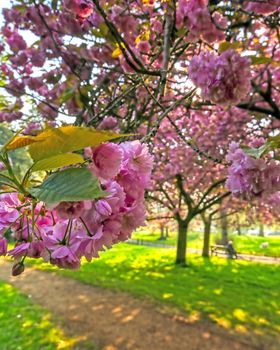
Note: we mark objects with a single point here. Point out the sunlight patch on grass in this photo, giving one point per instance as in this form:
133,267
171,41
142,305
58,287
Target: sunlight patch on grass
167,295
240,315
25,326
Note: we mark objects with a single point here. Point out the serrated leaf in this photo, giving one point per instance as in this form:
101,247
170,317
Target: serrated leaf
68,139
73,185
57,161
19,142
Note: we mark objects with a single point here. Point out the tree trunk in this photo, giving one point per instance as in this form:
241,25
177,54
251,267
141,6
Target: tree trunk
182,242
261,230
162,237
224,226
206,237
166,232
238,226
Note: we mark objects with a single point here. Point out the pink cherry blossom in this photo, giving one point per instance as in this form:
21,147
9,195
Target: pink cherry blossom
137,157
108,123
197,18
223,79
8,210
107,159
20,250
82,8
250,177
65,258
16,42
263,8
69,210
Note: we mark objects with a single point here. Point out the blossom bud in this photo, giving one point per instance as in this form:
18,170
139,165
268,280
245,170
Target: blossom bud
18,269
3,246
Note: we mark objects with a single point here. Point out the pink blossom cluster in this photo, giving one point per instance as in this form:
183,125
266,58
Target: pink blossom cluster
69,231
82,8
263,8
11,112
197,18
223,79
250,177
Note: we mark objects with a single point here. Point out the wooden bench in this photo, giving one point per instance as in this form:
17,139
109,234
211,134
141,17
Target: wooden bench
223,249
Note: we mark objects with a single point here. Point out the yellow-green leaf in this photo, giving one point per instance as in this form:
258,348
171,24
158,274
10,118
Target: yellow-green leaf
68,139
116,53
57,161
19,142
225,45
260,60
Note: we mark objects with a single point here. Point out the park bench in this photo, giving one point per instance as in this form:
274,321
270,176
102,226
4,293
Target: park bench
223,249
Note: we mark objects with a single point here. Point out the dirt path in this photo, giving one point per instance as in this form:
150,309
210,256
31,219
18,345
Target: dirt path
117,321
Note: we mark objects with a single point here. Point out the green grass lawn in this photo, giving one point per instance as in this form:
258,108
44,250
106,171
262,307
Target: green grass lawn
244,244
25,326
238,295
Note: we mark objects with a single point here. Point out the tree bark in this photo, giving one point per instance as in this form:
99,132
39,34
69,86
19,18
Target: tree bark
261,230
162,229
206,237
238,227
166,232
182,242
224,226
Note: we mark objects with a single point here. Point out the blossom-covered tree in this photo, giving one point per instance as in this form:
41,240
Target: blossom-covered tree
155,69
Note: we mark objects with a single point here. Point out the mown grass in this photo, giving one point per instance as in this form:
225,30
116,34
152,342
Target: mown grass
243,244
25,326
237,295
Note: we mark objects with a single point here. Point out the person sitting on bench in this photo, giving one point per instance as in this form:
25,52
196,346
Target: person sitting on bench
231,251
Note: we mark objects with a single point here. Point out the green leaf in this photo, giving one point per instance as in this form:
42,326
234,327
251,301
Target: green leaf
257,152
57,161
54,4
104,30
75,184
66,95
21,8
260,60
6,180
274,141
